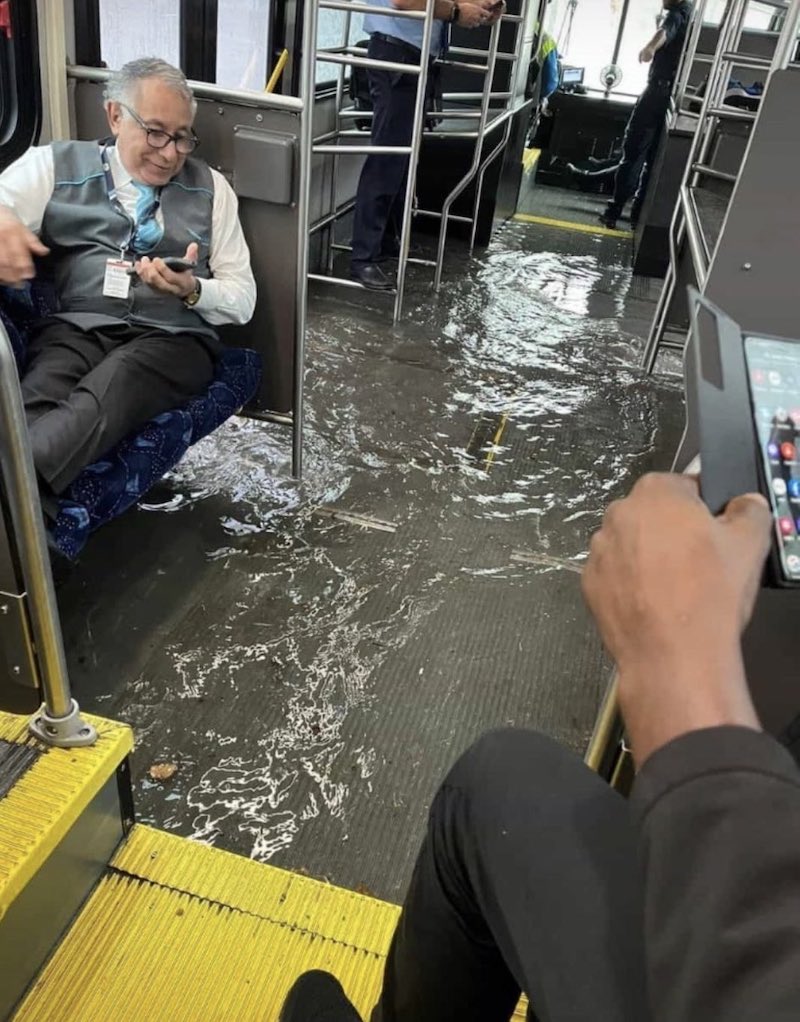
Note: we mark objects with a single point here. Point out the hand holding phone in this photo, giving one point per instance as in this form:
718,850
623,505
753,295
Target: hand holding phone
179,265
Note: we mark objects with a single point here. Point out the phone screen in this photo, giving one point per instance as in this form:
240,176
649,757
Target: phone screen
774,372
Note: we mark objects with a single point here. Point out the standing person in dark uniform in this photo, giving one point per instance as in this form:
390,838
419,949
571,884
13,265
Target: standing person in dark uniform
379,200
646,123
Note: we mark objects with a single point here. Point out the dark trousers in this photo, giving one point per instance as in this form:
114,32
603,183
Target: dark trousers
381,187
84,391
527,880
639,145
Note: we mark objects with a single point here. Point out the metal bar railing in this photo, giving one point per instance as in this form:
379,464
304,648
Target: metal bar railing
345,5
308,90
330,57
416,144
203,90
689,54
58,722
475,163
487,162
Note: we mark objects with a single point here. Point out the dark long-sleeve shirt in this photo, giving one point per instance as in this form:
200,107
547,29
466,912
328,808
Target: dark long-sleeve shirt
720,825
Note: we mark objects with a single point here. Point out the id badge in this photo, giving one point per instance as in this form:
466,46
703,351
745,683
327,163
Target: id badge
117,281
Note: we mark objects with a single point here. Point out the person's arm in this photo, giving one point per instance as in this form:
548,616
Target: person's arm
720,840
230,295
664,35
470,15
671,589
25,189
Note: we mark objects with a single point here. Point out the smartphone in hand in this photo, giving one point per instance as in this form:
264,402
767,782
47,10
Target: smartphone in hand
178,265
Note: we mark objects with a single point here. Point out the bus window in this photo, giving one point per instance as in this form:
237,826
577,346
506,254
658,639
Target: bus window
640,27
139,28
585,33
243,44
330,32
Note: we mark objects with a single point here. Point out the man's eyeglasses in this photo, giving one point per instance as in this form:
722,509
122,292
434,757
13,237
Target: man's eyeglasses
157,138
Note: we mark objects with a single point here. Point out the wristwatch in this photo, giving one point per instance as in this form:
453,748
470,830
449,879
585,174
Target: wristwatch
194,296
454,13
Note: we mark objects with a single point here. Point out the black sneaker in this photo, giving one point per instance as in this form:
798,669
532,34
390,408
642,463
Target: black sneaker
608,220
317,997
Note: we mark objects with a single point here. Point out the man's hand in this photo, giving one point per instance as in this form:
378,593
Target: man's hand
156,273
18,246
671,589
647,54
474,15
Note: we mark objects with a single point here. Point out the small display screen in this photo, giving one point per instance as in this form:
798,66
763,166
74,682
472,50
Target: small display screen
572,76
774,372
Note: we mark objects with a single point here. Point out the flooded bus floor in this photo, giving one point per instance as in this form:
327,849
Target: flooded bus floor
311,657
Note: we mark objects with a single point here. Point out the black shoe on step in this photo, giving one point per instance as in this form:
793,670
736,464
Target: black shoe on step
372,277
317,997
608,220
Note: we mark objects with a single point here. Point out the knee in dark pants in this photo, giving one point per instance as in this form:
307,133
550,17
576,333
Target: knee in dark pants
511,767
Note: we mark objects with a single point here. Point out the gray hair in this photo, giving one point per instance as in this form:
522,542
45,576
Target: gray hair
122,84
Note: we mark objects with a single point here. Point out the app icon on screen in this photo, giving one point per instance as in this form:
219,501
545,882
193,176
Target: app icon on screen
793,562
779,487
765,413
786,526
775,378
788,451
794,488
773,451
795,414
781,415
758,377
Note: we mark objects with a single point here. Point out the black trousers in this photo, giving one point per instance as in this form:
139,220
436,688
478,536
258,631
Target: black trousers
381,187
527,880
639,145
84,391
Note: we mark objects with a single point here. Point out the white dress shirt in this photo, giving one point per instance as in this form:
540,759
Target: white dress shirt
228,297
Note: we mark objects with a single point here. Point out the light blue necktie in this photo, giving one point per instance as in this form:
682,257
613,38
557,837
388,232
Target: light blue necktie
148,231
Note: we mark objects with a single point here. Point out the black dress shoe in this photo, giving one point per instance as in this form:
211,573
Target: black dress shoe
372,277
317,997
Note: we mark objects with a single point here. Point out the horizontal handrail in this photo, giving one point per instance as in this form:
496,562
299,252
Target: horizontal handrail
344,5
365,150
331,57
730,113
720,175
203,90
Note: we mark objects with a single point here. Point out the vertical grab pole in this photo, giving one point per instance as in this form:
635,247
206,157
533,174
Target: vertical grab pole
413,159
334,191
58,722
307,92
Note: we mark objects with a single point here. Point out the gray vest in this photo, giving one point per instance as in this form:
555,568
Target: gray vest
83,229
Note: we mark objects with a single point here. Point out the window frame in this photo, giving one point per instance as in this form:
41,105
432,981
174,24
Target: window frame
21,111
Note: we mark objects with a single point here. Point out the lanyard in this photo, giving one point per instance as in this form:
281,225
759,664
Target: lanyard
127,246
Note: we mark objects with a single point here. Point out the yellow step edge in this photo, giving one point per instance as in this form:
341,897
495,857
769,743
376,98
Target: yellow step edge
181,932
50,796
257,888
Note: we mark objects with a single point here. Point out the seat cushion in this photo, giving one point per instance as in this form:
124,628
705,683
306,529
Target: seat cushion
112,485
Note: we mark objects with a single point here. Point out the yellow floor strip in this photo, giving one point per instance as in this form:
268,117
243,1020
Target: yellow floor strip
569,225
179,932
46,801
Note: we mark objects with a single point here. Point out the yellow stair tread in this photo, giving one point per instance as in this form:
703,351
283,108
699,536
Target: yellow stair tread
50,796
177,931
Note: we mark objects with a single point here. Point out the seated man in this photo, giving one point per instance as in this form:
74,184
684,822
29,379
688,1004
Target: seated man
132,337
681,905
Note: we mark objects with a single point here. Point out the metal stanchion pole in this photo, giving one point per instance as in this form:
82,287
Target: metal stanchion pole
59,721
